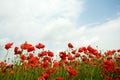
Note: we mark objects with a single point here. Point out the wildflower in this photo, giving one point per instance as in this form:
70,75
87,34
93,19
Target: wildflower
16,49
70,57
92,50
49,71
45,64
23,57
70,45
59,78
2,64
46,75
50,53
109,78
82,49
118,50
55,63
62,55
77,55
117,78
31,48
8,45
25,46
118,57
84,58
33,61
40,45
74,51
43,53
46,58
11,73
41,78
108,65
71,71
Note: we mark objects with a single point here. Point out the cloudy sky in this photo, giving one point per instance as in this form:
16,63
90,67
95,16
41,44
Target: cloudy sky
57,22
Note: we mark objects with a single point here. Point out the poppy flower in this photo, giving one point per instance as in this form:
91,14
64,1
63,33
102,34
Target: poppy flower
31,48
118,57
45,64
70,45
77,55
43,53
108,65
23,57
62,55
46,58
70,57
34,61
109,78
8,45
55,63
71,71
73,51
82,49
11,73
40,45
41,78
50,71
17,51
50,53
118,50
25,46
59,78
45,75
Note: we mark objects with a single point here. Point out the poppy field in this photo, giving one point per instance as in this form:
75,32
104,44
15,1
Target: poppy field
83,63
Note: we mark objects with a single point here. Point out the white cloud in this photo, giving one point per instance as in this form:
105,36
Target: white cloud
53,23
48,21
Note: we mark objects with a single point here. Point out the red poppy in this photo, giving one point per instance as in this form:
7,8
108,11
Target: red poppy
23,57
118,57
30,48
8,45
118,50
70,45
62,55
84,58
46,75
108,65
55,63
25,46
41,78
82,49
71,71
59,78
33,61
73,51
45,64
50,53
49,71
77,55
117,78
11,73
109,78
43,53
40,45
70,57
17,51
46,58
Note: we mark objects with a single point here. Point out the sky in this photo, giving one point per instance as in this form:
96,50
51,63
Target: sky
58,22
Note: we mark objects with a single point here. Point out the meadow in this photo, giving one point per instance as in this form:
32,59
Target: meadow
83,63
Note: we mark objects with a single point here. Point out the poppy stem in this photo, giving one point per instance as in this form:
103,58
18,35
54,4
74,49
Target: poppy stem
6,56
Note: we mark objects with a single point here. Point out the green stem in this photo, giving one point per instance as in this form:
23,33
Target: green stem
6,56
